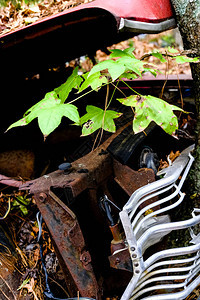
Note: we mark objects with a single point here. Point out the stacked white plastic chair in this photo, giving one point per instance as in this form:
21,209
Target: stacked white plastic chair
165,274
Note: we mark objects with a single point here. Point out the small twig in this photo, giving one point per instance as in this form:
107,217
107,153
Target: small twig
60,286
8,210
8,286
184,52
105,108
130,87
90,91
116,87
4,294
166,74
179,86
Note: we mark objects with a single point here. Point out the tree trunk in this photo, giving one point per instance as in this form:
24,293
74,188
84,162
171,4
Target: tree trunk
188,20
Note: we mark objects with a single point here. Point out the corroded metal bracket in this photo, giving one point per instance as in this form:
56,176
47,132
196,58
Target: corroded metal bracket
90,173
69,242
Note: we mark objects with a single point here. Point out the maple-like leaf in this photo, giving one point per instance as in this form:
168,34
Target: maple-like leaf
125,62
95,81
73,81
148,109
49,112
97,118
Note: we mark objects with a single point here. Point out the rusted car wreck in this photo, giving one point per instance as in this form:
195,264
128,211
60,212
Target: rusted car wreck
103,210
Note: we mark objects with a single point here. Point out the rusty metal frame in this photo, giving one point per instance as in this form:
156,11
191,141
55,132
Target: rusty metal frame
87,173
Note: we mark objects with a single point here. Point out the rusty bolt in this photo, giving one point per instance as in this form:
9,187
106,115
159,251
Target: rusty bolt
85,258
42,197
134,256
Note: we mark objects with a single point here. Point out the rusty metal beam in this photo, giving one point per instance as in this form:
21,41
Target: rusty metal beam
67,235
90,172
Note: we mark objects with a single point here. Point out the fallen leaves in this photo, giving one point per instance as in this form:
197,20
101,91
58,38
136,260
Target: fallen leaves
169,160
13,18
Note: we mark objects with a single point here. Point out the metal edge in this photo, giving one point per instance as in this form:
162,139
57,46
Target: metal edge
144,27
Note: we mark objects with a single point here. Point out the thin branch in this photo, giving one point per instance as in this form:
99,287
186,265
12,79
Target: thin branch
166,74
8,210
130,87
8,286
184,52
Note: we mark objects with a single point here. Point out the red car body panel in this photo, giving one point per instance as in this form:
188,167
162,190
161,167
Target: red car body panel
150,11
94,26
141,10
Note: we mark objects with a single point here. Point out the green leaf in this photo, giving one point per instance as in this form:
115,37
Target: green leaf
97,118
129,51
126,62
73,81
49,119
148,109
122,53
21,204
21,122
113,67
96,80
152,71
24,200
159,56
131,64
172,50
49,112
50,100
23,283
184,59
128,75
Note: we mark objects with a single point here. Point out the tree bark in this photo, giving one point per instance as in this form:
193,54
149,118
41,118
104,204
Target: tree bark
188,20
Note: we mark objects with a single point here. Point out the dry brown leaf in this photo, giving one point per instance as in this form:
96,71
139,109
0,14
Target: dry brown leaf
173,156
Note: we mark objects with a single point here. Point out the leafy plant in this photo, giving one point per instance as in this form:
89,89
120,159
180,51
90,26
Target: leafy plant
121,66
167,40
21,202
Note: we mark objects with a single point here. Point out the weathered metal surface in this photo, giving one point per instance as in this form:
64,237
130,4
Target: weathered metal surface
121,260
99,166
92,173
67,235
131,180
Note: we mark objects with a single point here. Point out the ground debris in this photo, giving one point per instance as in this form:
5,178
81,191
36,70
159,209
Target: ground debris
13,18
21,254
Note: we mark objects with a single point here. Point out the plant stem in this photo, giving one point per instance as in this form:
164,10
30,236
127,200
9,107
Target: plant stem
130,87
86,93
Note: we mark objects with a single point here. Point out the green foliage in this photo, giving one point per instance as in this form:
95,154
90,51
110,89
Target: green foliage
51,109
97,118
167,40
21,203
148,109
125,63
159,56
122,65
95,81
172,50
184,59
73,81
